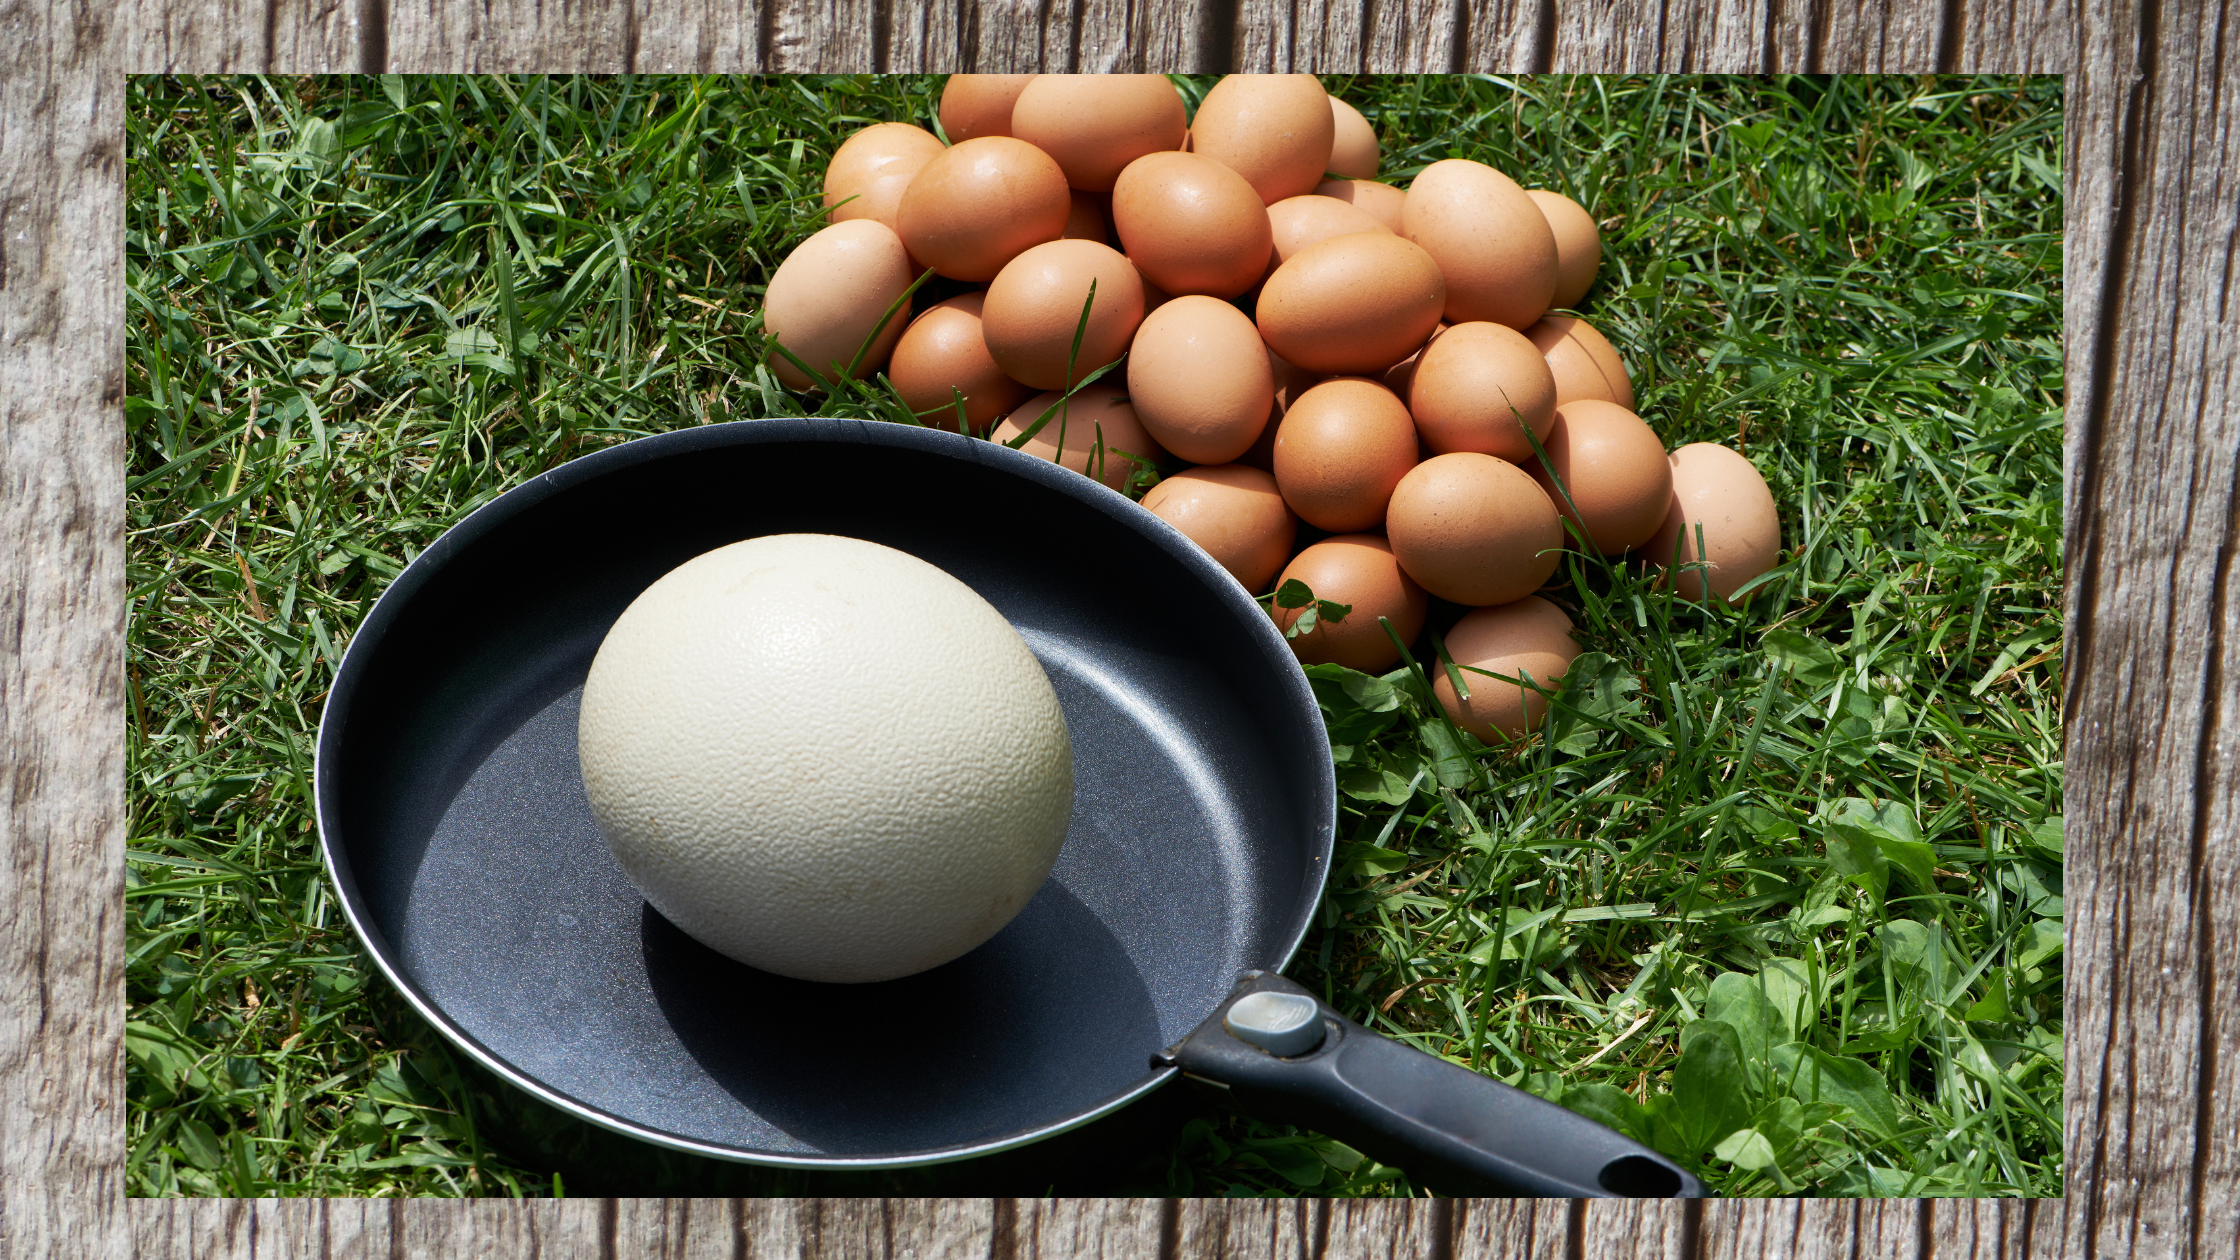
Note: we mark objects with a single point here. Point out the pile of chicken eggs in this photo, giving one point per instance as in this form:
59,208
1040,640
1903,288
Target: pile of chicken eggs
1303,344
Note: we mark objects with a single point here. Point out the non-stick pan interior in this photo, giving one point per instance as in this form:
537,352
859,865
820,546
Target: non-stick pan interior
454,817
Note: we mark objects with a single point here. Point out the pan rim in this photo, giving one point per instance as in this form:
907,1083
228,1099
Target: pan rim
482,520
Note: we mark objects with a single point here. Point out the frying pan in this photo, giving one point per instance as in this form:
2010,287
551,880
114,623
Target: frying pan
464,852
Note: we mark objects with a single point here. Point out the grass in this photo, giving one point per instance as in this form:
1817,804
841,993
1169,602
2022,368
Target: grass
1779,890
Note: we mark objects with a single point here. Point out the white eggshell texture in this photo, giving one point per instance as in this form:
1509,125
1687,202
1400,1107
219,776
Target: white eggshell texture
825,758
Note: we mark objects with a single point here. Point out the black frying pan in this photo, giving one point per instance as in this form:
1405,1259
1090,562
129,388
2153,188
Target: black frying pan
457,832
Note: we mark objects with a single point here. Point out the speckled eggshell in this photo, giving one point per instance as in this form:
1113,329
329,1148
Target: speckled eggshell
1530,637
1351,304
1297,222
1474,529
1095,124
1274,129
1382,202
975,105
1191,225
1033,310
1200,380
1340,450
1582,360
1615,469
981,204
1356,570
1472,386
871,168
1235,515
1095,415
1354,152
1722,492
942,350
1578,245
1492,243
828,295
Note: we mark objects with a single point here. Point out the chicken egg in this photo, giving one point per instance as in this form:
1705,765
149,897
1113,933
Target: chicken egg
1353,147
1478,387
1615,471
1473,529
1340,450
1034,308
981,204
1191,225
975,105
1351,304
1200,380
1276,130
1358,571
1578,245
827,297
871,168
1297,222
1722,494
1095,124
1528,638
1491,242
1381,201
1094,434
1235,514
943,350
1583,362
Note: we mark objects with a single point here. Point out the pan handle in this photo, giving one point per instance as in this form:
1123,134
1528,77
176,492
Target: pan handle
1289,1058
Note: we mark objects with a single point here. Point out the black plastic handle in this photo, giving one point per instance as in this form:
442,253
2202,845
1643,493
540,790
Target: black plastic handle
1457,1131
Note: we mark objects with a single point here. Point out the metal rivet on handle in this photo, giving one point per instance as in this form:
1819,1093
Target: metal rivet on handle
1284,1024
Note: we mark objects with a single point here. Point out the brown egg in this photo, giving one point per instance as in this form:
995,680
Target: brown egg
981,204
1472,386
1274,129
1089,220
1401,376
941,351
975,105
1353,146
1528,638
1191,224
1234,513
1094,435
1615,469
1340,450
1582,360
1355,304
1380,201
1034,309
828,296
1578,245
1492,243
871,168
1095,124
1297,222
1356,570
1474,529
1722,494
1199,378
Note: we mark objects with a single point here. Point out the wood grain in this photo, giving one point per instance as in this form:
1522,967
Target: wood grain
2152,509
61,630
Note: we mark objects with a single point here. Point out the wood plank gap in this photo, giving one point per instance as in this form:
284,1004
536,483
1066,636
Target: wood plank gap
373,36
1575,1236
1170,1229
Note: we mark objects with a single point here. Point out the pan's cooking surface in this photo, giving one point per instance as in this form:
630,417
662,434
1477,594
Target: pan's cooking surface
451,805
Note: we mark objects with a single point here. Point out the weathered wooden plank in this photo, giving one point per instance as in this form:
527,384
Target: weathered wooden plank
1625,1229
1512,1229
2153,519
62,802
510,36
1092,1229
677,1229
1810,1229
1729,38
1508,36
1249,1229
